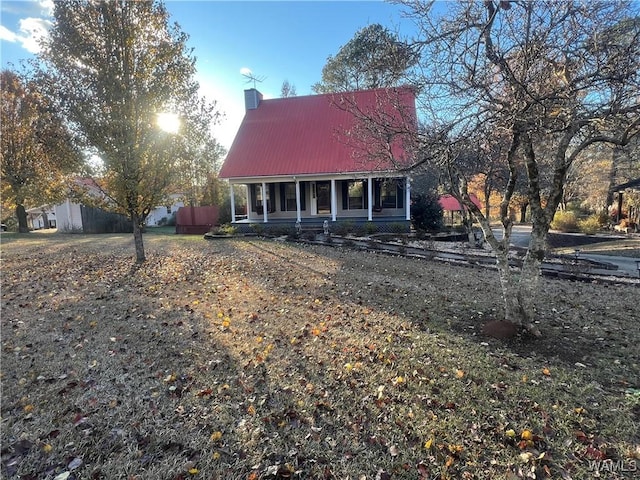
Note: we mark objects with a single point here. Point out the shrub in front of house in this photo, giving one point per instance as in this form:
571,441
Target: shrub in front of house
227,229
168,221
565,221
359,230
426,212
398,227
370,228
342,228
257,228
590,225
282,230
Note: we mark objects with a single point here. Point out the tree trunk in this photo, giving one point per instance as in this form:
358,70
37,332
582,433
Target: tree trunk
21,214
611,179
467,223
512,308
530,276
509,283
137,239
519,290
487,196
523,213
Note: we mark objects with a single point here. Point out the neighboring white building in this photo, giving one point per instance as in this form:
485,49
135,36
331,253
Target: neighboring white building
68,215
160,215
41,217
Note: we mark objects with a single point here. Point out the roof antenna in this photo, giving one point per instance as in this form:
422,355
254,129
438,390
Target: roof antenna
248,74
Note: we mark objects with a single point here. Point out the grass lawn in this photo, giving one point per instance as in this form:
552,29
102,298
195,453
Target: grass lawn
251,359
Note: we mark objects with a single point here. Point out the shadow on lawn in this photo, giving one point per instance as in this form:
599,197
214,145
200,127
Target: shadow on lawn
589,327
215,358
104,376
150,372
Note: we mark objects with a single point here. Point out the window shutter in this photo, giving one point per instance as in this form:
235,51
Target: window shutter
272,197
345,194
303,196
365,193
400,193
253,201
283,198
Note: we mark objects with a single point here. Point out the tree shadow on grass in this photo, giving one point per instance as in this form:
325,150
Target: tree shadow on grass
228,355
110,372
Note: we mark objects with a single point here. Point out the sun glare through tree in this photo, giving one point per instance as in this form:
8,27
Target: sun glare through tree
169,122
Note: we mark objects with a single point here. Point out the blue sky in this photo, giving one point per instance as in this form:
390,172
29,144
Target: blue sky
277,41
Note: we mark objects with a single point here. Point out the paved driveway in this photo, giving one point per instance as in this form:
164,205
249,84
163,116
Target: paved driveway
625,265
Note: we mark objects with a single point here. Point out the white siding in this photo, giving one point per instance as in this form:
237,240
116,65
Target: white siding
68,217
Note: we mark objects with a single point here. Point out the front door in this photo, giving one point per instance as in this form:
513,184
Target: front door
321,198
324,198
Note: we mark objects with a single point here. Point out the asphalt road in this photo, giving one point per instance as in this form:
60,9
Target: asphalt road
627,266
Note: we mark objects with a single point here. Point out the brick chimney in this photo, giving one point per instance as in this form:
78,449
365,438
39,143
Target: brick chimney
252,99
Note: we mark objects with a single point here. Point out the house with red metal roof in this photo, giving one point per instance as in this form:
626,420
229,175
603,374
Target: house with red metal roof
310,159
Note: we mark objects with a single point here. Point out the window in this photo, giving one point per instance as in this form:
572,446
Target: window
290,197
389,193
356,195
259,198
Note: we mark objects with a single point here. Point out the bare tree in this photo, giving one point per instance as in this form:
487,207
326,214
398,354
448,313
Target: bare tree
550,80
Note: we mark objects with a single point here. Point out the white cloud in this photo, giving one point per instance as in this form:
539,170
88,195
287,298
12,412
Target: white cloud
246,71
33,30
46,6
32,27
8,35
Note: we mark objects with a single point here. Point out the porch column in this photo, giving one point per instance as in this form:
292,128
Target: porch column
334,200
407,198
233,203
247,194
298,214
264,202
370,198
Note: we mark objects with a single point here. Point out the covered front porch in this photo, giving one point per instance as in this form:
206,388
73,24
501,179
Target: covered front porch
309,202
362,225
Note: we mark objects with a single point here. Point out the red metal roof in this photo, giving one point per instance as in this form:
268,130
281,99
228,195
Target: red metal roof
318,134
450,204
